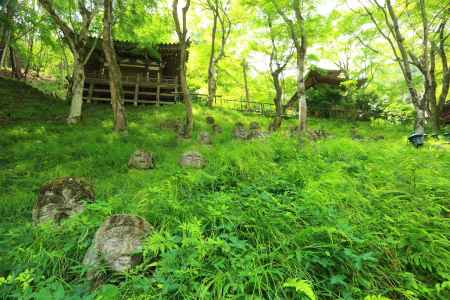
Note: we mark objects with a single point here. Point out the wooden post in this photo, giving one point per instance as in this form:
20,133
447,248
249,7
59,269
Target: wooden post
136,90
90,92
158,88
176,89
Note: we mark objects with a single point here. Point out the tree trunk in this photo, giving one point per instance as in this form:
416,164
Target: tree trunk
212,81
247,93
276,123
420,121
5,30
182,31
16,63
6,41
115,84
77,92
189,125
302,106
435,118
29,55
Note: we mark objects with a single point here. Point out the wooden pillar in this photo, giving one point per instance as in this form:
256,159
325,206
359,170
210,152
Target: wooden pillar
136,90
90,92
158,88
175,98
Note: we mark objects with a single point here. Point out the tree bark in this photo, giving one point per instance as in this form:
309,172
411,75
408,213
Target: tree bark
80,48
77,92
276,123
247,92
301,55
402,56
299,39
212,72
221,19
181,29
277,66
115,84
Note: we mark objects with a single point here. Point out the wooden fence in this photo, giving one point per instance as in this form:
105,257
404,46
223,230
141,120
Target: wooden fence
268,109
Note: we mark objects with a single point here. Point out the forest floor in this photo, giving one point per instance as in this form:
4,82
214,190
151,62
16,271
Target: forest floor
273,218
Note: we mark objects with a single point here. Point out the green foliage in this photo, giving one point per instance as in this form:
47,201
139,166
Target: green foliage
267,219
324,97
301,286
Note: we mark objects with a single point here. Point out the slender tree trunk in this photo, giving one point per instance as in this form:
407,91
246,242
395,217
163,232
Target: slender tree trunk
29,56
435,118
247,93
276,123
77,92
420,121
6,40
212,73
115,84
4,29
189,125
182,32
16,63
302,106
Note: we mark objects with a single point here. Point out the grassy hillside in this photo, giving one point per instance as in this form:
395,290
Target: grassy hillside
266,219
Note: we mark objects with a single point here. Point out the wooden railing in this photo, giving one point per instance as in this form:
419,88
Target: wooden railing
139,87
269,109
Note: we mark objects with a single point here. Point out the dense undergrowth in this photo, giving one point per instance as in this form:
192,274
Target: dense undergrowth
266,219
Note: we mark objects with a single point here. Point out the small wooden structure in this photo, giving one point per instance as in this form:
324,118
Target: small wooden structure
149,75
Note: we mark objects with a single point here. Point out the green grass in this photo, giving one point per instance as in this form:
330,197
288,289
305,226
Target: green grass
346,218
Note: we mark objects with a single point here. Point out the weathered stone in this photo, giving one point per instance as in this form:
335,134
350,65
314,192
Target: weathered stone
254,126
355,135
239,131
316,135
210,120
217,129
378,138
62,198
255,131
141,160
192,159
204,138
174,125
117,243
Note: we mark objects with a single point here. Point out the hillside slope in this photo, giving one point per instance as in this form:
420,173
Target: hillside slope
346,218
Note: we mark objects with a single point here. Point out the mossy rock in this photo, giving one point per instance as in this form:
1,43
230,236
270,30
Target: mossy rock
118,244
62,198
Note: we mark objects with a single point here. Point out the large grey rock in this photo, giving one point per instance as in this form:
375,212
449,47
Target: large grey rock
172,124
255,131
239,131
117,243
204,138
141,160
62,198
316,135
192,159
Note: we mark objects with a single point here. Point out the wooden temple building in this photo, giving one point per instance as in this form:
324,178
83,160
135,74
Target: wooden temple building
149,75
